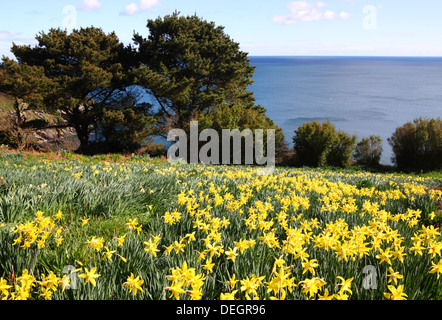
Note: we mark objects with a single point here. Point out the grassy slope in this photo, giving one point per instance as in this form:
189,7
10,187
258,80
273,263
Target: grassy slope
113,196
6,103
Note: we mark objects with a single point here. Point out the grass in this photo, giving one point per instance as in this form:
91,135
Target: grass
193,227
6,103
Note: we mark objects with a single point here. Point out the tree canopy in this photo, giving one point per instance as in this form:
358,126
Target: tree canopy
190,66
187,69
77,74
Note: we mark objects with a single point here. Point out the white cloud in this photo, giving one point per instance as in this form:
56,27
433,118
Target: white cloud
329,15
148,4
344,15
304,11
299,11
143,5
131,9
299,6
90,5
7,34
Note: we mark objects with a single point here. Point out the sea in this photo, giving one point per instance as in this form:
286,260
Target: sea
362,96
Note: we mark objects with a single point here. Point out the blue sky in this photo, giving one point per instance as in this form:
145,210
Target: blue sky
262,27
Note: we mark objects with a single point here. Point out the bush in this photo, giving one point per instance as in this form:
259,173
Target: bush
417,145
122,130
241,117
341,151
317,145
368,151
312,143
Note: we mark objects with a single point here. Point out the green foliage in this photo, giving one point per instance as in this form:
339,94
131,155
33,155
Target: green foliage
82,188
124,130
368,151
237,117
312,143
25,82
22,83
319,144
75,74
190,66
417,145
341,151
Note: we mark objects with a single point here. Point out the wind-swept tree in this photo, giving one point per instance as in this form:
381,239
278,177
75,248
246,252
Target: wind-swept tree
188,66
195,72
75,74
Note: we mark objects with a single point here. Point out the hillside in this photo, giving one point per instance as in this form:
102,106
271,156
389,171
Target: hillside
6,102
208,232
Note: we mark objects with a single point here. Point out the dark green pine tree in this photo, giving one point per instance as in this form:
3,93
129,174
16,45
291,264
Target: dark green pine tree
76,74
189,66
195,72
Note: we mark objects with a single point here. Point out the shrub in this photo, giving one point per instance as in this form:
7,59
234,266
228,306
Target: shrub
368,151
241,117
317,145
122,130
312,143
417,145
341,151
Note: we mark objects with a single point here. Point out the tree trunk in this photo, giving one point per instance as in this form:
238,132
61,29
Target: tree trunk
82,128
18,113
83,136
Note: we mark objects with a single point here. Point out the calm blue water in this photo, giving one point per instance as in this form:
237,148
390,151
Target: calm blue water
362,96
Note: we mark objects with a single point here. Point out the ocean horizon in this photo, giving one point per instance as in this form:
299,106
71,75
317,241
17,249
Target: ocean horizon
360,95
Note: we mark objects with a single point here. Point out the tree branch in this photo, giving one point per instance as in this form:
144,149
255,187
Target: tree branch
161,105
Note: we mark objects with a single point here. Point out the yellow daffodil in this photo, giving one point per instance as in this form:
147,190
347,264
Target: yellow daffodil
89,276
121,240
393,275
312,286
84,221
4,287
231,254
436,268
310,265
108,254
396,293
176,289
345,285
151,247
134,284
228,295
232,282
384,256
96,243
58,215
